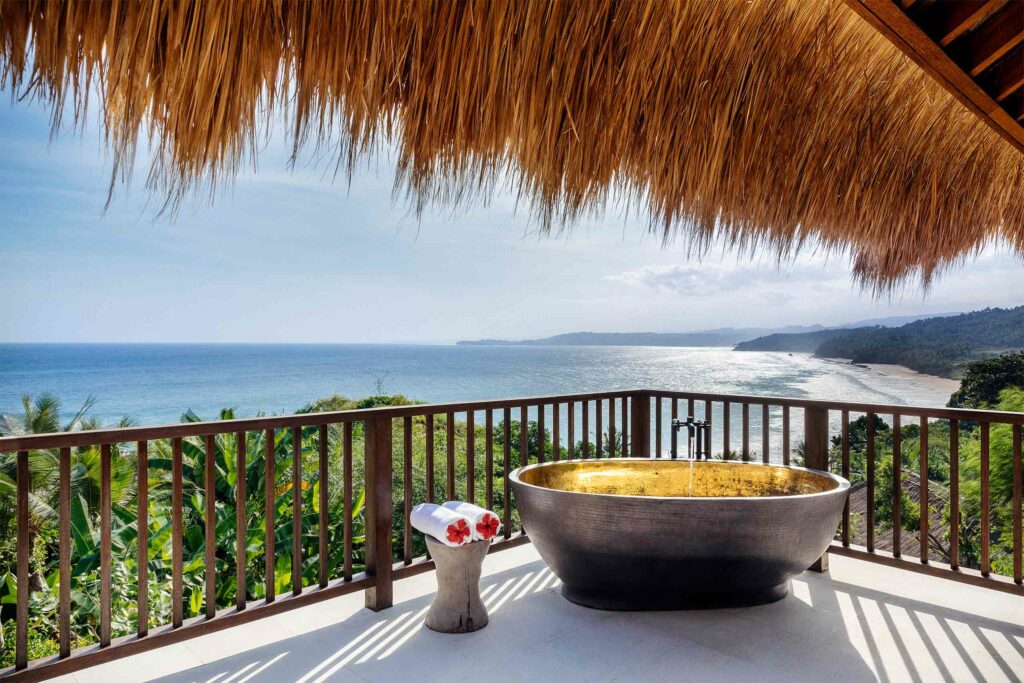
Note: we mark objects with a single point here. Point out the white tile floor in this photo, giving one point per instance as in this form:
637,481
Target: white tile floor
860,622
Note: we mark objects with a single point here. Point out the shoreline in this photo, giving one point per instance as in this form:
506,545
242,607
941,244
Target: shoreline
931,382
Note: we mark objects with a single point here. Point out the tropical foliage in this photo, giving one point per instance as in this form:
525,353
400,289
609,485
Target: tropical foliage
938,474
42,416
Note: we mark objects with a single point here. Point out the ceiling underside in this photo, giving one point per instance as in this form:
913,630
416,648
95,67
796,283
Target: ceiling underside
974,48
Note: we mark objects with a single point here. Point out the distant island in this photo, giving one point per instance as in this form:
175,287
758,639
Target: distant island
723,336
726,336
936,346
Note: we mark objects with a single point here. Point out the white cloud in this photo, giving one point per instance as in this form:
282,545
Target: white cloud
707,279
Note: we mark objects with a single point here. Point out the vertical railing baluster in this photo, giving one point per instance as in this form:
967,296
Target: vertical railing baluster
322,504
524,437
210,522
726,410
105,545
870,505
658,410
64,550
746,431
626,448
506,470
845,449
407,489
428,428
954,494
470,456
586,428
489,459
785,435
599,437
986,504
571,441
640,411
346,482
765,419
708,414
1018,574
177,537
897,487
673,432
142,538
449,421
323,520
21,608
556,438
241,520
923,469
541,436
270,514
690,407
296,510
611,427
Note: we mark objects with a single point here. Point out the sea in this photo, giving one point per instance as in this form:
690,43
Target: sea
157,383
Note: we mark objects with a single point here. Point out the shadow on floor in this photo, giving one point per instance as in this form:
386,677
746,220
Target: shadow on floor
824,630
906,639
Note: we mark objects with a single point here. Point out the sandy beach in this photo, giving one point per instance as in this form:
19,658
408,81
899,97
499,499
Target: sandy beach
930,383
943,384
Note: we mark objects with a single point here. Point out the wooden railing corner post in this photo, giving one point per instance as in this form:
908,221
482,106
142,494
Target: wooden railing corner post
816,438
816,456
378,512
640,429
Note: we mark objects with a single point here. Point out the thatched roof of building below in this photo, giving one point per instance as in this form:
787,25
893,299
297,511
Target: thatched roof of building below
767,125
910,541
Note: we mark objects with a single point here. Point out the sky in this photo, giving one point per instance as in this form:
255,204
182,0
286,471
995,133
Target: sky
304,256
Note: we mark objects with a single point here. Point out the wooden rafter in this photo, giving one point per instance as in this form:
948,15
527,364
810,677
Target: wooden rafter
974,48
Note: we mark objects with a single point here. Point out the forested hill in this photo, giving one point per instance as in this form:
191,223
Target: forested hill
937,346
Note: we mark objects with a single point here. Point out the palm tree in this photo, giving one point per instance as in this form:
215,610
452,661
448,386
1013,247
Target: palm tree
42,416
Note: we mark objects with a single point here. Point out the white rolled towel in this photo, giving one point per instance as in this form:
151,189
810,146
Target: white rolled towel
447,526
485,524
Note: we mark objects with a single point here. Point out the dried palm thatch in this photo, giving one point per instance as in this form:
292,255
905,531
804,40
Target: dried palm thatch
764,123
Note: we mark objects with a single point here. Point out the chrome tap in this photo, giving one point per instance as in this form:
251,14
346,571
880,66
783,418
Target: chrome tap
699,431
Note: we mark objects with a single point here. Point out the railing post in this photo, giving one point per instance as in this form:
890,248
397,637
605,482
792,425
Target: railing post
816,456
640,430
378,512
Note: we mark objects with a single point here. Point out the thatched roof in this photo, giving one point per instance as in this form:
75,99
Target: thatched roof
761,123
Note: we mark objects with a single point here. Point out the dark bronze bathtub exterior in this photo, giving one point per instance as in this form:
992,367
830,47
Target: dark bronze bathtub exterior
624,533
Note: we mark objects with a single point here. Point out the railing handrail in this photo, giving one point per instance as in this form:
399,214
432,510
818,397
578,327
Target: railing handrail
79,438
189,429
941,413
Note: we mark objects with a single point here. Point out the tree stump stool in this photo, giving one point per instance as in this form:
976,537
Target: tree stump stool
457,607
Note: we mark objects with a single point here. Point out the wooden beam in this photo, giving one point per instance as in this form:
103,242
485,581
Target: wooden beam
890,20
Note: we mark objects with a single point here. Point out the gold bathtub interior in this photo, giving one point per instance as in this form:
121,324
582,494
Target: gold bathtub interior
672,478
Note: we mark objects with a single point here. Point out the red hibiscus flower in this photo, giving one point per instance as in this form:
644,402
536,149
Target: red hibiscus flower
459,531
487,527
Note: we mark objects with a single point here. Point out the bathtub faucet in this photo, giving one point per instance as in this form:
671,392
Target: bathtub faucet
699,431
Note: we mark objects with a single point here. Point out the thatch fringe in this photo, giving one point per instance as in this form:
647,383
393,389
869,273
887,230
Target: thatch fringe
762,123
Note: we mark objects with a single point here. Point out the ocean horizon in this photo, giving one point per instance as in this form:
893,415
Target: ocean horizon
157,383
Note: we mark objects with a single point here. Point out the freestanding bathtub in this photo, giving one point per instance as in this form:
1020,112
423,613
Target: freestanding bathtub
643,534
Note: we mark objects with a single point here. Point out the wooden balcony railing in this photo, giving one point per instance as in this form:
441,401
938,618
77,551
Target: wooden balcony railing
634,423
